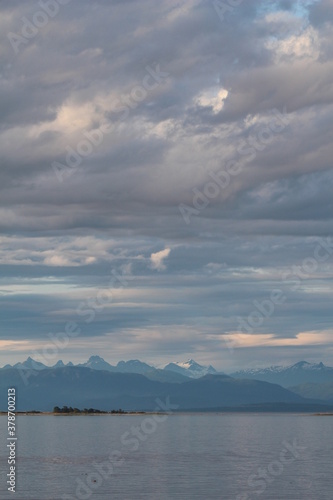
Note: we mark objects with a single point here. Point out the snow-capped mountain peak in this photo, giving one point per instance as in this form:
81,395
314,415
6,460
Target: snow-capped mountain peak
190,368
189,364
287,376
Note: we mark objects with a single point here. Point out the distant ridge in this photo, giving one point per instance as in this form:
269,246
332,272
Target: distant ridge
287,376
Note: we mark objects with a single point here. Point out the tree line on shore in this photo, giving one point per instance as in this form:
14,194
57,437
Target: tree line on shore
69,409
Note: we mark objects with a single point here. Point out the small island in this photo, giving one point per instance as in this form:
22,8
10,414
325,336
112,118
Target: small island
68,410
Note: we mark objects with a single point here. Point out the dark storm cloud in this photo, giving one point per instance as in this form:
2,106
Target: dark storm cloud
184,92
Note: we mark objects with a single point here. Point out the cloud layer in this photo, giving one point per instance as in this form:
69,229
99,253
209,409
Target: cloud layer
187,152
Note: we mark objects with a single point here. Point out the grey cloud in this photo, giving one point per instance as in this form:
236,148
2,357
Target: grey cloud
123,199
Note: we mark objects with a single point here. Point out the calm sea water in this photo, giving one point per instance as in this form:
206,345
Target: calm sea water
214,456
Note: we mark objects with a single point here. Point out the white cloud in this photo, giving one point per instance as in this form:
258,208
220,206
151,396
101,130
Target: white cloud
158,258
214,98
57,260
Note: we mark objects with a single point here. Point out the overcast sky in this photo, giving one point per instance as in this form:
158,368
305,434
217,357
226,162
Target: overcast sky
166,181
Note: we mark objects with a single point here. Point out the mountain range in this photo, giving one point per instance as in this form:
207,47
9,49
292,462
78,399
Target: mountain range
134,385
286,376
175,371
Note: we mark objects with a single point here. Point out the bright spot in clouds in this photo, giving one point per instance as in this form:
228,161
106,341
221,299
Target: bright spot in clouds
158,258
214,98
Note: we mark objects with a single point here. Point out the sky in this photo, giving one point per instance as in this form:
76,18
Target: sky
166,181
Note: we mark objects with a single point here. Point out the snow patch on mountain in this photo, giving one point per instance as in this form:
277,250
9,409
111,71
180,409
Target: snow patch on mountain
190,368
301,365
